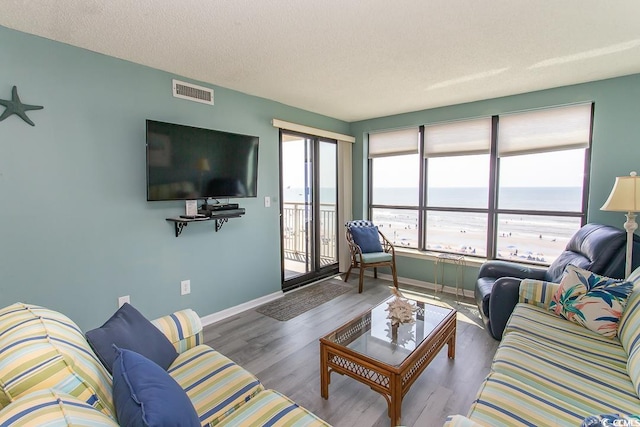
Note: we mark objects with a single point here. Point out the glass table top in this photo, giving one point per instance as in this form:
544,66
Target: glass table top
373,336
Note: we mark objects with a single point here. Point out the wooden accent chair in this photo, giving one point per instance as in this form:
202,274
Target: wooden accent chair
369,248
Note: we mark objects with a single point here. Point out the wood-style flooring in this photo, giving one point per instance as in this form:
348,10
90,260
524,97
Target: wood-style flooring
285,357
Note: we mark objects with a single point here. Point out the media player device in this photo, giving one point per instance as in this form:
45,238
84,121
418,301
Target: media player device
209,210
220,207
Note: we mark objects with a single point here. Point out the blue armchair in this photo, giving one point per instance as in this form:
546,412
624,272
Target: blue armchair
595,247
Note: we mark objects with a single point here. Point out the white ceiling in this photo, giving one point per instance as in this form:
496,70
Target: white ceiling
354,59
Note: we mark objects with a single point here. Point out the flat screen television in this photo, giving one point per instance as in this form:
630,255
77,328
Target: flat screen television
189,163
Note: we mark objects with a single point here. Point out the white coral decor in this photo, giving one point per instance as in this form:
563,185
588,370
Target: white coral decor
400,309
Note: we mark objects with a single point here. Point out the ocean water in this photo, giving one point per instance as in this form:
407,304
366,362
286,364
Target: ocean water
563,199
526,198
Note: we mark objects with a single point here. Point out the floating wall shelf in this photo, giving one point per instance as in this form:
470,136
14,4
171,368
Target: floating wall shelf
219,218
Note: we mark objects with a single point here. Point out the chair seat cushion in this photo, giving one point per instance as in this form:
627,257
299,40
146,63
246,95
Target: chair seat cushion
376,257
270,408
215,385
551,331
505,401
597,387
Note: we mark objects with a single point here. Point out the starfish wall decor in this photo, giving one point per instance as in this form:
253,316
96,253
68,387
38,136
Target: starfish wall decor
15,106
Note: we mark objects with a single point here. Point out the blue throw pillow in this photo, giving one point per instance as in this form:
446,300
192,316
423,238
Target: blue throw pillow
129,329
144,394
367,238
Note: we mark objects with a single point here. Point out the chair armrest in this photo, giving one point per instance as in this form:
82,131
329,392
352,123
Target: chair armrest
387,246
460,421
537,292
504,297
510,269
183,328
353,246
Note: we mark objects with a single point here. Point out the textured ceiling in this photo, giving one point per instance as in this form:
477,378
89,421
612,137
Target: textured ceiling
354,59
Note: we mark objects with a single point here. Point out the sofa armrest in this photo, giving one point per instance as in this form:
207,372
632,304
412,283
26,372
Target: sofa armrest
53,407
537,292
460,421
183,328
504,298
510,269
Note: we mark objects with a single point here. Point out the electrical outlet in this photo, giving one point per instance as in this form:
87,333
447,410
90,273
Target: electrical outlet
122,300
185,287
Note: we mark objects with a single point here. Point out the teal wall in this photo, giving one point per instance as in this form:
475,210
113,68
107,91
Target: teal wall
76,230
615,150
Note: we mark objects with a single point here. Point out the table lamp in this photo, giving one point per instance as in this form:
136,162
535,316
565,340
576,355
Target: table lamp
625,197
203,166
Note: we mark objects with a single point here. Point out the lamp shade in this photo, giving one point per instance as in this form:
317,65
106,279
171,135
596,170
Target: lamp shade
625,195
203,165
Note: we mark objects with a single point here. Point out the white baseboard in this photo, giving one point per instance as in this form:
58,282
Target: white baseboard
423,284
223,314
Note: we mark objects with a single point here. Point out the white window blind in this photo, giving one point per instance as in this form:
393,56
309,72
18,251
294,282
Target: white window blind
311,131
561,128
458,138
393,143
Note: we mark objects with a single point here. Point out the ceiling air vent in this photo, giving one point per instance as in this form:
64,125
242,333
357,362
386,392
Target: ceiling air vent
192,92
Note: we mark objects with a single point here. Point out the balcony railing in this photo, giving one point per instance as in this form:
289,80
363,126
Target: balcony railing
296,240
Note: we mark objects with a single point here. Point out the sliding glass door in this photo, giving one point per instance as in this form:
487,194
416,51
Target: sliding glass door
308,208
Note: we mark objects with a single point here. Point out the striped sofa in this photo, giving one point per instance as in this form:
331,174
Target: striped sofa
548,371
49,375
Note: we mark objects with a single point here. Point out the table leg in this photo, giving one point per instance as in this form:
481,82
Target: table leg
438,264
451,345
458,270
324,372
435,277
395,404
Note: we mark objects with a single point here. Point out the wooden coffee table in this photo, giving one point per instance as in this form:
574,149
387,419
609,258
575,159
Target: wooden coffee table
387,359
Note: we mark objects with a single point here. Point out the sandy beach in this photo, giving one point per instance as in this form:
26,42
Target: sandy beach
518,239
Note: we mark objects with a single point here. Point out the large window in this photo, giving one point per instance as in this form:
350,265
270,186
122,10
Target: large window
456,160
507,187
394,190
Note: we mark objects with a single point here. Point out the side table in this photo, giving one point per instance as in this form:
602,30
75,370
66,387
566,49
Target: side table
459,264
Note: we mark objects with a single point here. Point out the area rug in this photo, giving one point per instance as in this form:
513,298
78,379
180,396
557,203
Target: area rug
295,303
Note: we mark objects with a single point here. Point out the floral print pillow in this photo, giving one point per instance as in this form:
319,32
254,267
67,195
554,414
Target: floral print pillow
593,301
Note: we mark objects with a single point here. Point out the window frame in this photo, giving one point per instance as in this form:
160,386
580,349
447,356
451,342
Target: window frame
492,211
